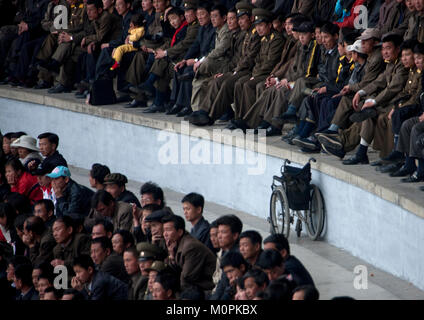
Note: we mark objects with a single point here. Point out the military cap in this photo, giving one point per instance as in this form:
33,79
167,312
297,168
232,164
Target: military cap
149,251
419,48
244,8
158,266
190,5
306,26
157,215
115,178
262,15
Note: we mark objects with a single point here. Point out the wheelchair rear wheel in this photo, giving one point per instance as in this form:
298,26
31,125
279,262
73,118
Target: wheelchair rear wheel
280,212
315,215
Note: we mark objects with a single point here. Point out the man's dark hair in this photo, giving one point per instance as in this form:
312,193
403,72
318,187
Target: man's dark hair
67,221
18,260
196,199
101,196
279,290
36,225
179,223
48,204
52,137
99,172
269,259
232,221
23,272
7,211
45,267
20,220
104,242
127,237
97,3
233,259
394,38
107,225
177,11
47,275
330,28
221,9
213,224
17,134
133,251
254,236
138,20
84,261
280,242
309,292
16,164
294,15
350,37
169,282
8,135
205,5
19,202
77,295
408,45
154,190
258,275
233,10
58,293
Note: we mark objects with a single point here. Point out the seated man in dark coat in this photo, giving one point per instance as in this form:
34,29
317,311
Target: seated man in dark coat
115,184
71,197
96,285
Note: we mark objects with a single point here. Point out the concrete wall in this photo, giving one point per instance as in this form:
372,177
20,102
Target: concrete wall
367,226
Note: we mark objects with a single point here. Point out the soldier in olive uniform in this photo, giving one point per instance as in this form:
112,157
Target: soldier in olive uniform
220,91
271,45
156,268
416,23
374,99
57,46
148,254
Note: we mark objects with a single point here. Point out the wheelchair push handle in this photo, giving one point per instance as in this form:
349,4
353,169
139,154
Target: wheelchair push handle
312,159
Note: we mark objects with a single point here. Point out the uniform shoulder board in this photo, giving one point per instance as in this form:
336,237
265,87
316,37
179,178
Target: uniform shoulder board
254,31
272,36
263,38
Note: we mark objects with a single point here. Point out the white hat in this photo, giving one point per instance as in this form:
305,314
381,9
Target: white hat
27,142
357,47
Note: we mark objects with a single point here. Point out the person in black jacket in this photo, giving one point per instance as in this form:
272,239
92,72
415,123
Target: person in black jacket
96,285
184,74
23,283
115,185
71,197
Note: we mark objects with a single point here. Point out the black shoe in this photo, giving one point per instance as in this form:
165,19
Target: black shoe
154,108
335,152
402,172
329,141
272,131
231,126
145,89
363,115
200,119
186,111
394,157
413,178
43,85
53,67
377,163
81,95
305,143
136,104
391,167
317,149
329,133
227,116
356,160
59,89
175,109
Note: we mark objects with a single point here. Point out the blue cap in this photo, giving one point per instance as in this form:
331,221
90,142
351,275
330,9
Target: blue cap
59,171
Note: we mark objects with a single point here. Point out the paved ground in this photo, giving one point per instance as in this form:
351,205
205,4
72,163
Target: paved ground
331,268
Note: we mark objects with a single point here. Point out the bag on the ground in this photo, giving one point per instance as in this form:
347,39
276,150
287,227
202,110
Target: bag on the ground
102,92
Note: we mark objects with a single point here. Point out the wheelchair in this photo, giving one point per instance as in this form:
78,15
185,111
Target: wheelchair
294,196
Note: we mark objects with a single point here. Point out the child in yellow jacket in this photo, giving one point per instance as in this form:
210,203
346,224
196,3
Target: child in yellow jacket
136,32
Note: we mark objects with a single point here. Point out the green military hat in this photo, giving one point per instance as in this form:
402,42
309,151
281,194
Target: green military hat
158,266
149,251
115,178
244,8
262,15
190,5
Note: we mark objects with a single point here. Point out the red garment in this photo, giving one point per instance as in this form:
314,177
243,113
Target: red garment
174,38
348,22
2,237
28,186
